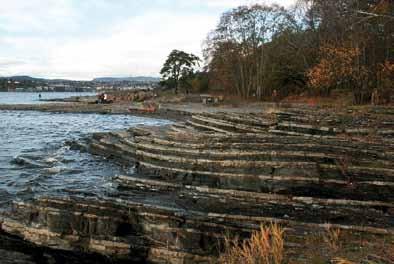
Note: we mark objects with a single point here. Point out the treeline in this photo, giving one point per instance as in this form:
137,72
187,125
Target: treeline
315,47
3,85
6,84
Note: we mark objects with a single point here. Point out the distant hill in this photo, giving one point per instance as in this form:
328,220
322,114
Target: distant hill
128,79
22,78
139,79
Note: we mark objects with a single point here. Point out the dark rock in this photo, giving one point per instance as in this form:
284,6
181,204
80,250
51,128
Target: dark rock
224,174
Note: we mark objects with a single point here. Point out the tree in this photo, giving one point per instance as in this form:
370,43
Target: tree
237,50
200,82
337,68
318,44
386,80
355,38
178,69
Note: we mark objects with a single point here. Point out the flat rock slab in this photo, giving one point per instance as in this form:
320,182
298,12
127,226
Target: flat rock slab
308,170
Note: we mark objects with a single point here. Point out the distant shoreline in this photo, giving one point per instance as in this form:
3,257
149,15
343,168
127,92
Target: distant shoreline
47,92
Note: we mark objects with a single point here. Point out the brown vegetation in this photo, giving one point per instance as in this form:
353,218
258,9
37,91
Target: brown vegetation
268,246
265,246
315,47
332,238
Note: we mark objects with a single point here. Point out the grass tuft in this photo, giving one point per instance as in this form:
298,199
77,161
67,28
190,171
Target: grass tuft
332,238
265,246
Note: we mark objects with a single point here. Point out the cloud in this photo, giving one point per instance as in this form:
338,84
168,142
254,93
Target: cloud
5,63
37,16
137,47
85,39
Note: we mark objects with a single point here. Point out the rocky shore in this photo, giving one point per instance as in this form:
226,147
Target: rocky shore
213,175
83,107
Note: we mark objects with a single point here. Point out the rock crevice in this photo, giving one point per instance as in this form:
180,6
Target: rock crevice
221,174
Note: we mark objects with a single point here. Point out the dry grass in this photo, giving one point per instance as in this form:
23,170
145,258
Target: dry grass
337,100
265,246
341,261
332,238
331,245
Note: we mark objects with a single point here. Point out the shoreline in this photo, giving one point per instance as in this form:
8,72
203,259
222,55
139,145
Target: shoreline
180,112
84,108
183,110
290,167
267,163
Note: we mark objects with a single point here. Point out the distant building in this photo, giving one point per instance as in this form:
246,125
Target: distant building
57,87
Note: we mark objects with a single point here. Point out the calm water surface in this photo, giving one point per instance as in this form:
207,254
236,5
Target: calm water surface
34,159
32,98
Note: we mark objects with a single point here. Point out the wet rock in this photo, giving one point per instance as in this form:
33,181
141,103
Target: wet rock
15,250
9,257
77,145
223,174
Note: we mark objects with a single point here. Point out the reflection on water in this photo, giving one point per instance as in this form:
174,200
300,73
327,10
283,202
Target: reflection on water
33,98
35,160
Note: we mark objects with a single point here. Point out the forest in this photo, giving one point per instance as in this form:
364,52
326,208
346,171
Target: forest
314,48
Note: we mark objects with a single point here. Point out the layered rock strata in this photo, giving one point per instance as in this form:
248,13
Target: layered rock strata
221,174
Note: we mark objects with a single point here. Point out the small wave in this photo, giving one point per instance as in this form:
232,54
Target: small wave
108,185
26,162
66,160
50,160
63,170
4,194
73,171
29,190
54,170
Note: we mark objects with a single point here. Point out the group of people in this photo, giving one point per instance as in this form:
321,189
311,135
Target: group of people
103,98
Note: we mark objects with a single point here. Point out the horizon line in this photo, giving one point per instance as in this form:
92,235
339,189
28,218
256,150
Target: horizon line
77,79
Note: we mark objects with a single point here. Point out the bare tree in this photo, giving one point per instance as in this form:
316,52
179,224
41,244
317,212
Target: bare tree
240,40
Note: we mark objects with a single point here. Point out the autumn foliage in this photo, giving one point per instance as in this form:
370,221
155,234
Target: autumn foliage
315,46
387,71
337,67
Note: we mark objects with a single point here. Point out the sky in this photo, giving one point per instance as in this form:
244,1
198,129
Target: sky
84,39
